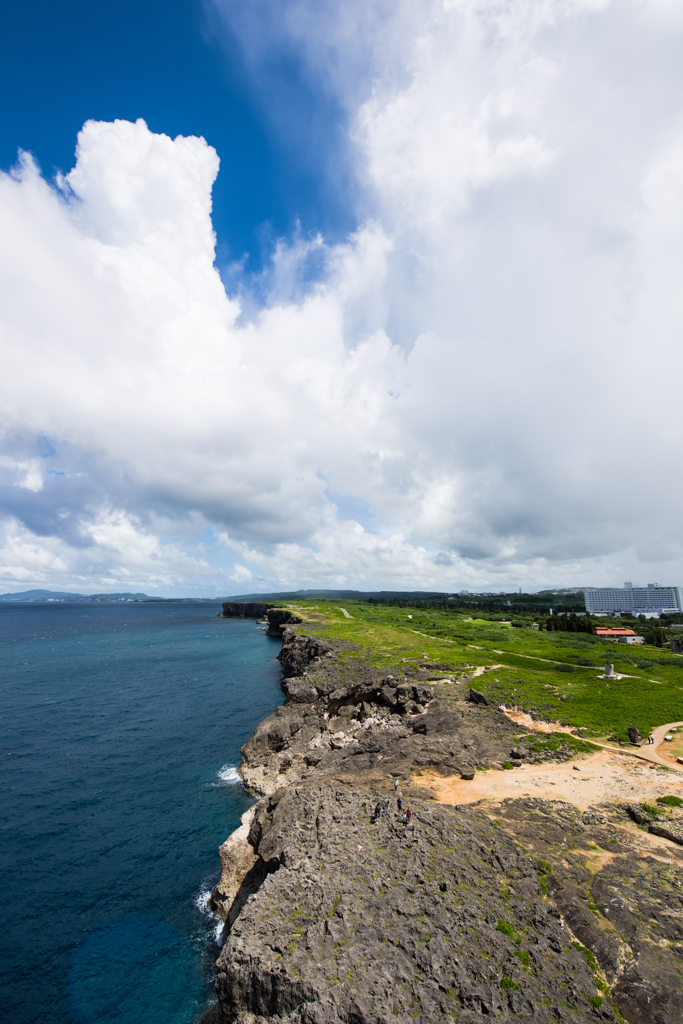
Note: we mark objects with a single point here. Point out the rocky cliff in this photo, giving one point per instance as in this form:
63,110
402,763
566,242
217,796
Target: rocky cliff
243,610
333,914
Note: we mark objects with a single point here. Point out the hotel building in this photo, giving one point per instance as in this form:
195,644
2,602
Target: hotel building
638,600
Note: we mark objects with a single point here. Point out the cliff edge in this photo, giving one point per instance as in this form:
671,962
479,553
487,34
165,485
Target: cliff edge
516,910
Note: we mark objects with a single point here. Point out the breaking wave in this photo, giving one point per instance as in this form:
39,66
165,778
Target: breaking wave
213,921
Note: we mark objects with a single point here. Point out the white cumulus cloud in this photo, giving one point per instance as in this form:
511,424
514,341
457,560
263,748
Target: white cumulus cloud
480,386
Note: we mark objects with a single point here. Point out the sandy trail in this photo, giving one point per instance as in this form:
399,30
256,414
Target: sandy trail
666,752
603,777
658,752
522,718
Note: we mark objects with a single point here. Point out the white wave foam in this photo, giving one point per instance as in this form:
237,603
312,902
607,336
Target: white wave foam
228,774
201,902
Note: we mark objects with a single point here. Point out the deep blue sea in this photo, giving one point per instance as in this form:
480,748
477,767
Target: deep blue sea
120,731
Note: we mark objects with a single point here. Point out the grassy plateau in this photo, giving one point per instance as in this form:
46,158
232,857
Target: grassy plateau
552,675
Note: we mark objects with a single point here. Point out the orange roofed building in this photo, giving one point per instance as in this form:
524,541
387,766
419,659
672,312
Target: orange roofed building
625,636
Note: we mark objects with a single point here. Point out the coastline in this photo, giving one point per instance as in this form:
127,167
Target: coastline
303,943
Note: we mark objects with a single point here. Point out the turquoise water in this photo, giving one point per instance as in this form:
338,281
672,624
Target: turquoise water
120,731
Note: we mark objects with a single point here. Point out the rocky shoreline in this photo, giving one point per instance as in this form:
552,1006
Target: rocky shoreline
539,913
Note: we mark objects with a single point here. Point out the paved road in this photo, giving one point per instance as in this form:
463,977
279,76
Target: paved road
346,613
648,751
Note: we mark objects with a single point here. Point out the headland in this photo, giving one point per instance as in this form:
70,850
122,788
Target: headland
539,877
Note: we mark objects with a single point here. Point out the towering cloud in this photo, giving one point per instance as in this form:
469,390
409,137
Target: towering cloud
479,387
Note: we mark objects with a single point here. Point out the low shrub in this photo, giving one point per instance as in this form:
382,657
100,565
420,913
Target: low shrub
670,800
590,959
506,929
554,740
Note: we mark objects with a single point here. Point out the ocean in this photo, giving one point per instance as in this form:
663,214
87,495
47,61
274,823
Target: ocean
121,728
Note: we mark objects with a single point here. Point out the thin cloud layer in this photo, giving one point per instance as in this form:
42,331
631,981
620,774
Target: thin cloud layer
479,386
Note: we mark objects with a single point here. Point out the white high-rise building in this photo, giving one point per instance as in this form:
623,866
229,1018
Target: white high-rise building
639,600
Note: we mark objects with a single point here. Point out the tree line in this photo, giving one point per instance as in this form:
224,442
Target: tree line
570,623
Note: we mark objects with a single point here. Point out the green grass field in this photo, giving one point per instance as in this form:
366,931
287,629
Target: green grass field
552,675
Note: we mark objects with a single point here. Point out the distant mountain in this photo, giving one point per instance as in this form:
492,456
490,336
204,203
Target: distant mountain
56,595
341,595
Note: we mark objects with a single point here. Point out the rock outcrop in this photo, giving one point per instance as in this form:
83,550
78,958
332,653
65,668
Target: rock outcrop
279,618
365,921
332,915
628,913
244,610
238,859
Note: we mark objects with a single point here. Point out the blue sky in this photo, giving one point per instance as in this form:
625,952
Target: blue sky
420,329
61,65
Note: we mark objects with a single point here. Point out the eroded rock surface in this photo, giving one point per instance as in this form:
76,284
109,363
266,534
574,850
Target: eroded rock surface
624,905
544,914
361,921
346,723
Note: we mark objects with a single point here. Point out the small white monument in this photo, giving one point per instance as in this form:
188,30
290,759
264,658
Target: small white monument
609,671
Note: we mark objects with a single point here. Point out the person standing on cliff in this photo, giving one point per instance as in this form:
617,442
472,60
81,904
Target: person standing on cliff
409,815
378,811
386,809
395,785
399,804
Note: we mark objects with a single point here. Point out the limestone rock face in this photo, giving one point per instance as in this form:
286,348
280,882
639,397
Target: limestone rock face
297,651
629,913
278,618
237,860
352,734
335,918
638,815
299,690
668,830
361,922
243,610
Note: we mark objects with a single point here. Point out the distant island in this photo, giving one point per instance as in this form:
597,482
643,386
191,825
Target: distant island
566,600
40,596
407,595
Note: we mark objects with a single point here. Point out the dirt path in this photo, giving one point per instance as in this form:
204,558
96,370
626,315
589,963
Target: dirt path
646,752
659,750
606,776
522,718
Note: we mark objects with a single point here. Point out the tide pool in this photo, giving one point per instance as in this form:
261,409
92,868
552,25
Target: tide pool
120,732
